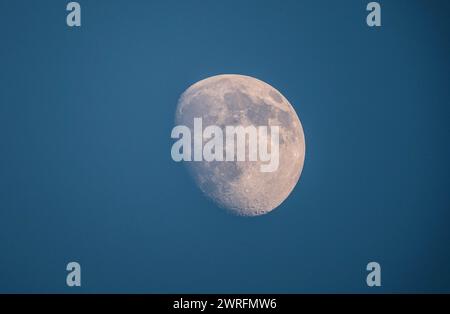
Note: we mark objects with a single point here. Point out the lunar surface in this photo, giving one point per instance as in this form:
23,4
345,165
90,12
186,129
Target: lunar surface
239,186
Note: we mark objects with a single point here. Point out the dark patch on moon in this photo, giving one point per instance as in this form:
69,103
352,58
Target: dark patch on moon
259,114
237,101
275,96
284,117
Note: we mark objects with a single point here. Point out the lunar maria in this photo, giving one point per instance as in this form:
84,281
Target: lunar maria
237,138
241,141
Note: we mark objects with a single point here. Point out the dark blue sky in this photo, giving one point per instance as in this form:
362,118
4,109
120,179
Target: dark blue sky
85,167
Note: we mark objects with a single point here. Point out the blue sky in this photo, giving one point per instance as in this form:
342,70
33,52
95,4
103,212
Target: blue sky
85,167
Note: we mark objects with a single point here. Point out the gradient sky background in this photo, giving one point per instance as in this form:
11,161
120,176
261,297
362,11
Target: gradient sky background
85,167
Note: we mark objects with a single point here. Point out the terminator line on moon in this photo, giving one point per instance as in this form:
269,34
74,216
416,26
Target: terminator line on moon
240,186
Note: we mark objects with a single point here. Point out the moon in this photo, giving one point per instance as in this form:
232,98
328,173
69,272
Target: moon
239,186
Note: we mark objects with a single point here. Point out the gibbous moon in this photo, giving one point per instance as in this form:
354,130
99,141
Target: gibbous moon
239,186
